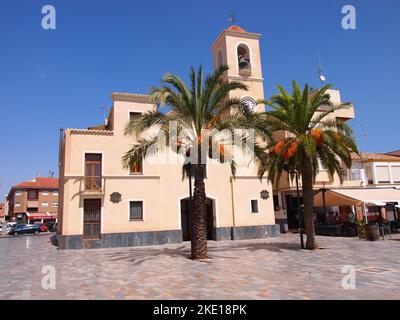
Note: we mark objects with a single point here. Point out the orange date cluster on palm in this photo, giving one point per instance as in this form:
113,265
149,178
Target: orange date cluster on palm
287,152
317,135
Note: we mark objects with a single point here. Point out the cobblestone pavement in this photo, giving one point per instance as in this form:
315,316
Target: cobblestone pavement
256,269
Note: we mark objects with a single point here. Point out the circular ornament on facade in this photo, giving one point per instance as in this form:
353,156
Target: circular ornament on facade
250,103
115,197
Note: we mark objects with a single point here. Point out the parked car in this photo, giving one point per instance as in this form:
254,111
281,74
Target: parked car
42,227
24,229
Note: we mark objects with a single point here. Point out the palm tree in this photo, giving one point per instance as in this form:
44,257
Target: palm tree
314,140
196,110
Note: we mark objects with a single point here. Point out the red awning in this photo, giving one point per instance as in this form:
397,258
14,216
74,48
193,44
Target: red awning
41,215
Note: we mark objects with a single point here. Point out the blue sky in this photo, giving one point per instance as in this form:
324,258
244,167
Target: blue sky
61,78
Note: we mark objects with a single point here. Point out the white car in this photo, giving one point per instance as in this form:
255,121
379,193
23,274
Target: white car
1,228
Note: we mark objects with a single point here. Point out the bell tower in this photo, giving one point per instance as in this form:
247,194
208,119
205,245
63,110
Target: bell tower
240,50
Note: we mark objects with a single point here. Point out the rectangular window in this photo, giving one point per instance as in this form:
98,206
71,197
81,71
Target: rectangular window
55,205
18,193
136,210
137,168
396,174
93,171
45,193
254,206
382,173
17,205
55,193
134,115
45,204
33,194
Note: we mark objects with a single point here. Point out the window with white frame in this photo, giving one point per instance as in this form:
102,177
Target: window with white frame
17,205
254,206
18,193
136,210
55,205
55,193
396,174
45,204
382,174
45,193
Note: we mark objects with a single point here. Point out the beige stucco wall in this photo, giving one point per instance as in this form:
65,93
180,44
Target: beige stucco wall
161,187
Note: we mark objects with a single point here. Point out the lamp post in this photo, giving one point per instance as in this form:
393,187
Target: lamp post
287,169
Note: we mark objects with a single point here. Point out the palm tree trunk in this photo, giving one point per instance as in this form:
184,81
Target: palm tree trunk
308,198
199,240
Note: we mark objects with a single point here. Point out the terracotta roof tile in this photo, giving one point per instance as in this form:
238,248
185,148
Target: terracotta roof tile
369,156
237,29
394,153
39,183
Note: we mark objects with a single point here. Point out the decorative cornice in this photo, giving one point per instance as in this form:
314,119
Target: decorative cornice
91,132
238,34
131,97
246,79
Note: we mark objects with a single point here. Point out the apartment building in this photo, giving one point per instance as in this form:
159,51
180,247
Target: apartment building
2,212
33,200
375,170
104,205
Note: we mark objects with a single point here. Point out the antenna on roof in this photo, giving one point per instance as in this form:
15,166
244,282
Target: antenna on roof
232,18
322,77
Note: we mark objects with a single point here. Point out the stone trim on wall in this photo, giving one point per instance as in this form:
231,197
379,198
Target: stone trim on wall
136,239
117,240
245,233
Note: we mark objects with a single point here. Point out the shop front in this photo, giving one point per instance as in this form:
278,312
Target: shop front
42,217
347,208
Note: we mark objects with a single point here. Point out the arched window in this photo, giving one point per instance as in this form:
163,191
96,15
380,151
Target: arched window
244,64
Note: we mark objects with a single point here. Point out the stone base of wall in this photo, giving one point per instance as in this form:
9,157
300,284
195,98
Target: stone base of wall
116,240
245,233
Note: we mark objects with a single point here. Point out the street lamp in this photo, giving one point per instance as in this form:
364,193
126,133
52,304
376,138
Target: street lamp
291,171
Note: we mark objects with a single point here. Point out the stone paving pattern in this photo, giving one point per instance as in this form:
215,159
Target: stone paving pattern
251,269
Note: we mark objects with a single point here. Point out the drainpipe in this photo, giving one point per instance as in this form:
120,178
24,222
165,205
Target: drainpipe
233,211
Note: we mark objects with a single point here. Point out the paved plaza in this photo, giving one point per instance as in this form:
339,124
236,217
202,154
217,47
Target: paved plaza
256,269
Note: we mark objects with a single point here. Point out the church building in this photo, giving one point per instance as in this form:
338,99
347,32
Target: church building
101,204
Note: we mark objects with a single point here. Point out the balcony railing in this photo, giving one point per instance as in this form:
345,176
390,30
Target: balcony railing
92,186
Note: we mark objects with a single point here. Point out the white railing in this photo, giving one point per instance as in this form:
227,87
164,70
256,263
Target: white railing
97,189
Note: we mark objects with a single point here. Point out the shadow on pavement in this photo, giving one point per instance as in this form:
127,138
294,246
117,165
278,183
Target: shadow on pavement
138,256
